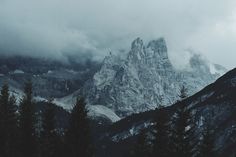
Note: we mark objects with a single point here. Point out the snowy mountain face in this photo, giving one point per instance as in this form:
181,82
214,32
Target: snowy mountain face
214,106
145,79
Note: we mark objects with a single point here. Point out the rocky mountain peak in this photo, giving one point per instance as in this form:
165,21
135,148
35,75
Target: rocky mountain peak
109,59
136,53
158,47
144,79
154,55
137,44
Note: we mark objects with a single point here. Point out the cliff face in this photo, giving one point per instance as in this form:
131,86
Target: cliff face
144,79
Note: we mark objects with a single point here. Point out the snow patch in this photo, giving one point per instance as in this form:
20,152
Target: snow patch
17,71
64,105
99,110
72,71
50,71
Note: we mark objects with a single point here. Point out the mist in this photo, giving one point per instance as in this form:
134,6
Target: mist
55,29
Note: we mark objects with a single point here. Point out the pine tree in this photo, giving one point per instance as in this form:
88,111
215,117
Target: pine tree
49,137
27,139
8,123
207,144
161,134
183,133
183,130
78,137
141,147
3,106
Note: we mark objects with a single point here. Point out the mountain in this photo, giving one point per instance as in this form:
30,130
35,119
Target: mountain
51,78
122,92
144,78
140,80
215,104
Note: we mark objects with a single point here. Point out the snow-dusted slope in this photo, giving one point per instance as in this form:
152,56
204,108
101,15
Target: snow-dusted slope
102,111
145,79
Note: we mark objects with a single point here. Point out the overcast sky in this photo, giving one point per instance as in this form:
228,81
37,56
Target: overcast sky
56,27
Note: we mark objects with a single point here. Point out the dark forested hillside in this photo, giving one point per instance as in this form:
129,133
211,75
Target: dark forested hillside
213,108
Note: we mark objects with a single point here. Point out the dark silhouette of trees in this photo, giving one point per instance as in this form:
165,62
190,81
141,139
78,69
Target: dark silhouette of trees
161,133
78,138
172,135
183,133
27,138
183,130
50,140
8,123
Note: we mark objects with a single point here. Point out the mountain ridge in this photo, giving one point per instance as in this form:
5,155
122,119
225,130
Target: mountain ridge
144,79
140,80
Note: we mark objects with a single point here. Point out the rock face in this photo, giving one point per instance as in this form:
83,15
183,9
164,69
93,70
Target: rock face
145,79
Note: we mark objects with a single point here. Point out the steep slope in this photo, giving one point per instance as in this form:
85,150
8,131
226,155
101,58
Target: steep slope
144,79
215,104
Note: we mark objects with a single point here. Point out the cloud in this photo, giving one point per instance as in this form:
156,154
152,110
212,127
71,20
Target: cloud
57,28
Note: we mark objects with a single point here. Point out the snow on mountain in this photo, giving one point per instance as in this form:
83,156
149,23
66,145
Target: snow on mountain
17,71
18,94
145,79
94,110
102,111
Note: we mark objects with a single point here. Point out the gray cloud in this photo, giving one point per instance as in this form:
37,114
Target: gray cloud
54,28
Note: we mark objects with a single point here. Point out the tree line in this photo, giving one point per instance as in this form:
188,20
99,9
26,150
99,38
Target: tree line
175,136
21,136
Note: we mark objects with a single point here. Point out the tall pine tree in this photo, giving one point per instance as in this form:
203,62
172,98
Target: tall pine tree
78,137
183,129
8,123
161,134
49,137
27,138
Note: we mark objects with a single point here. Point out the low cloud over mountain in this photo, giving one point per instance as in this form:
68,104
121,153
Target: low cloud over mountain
58,28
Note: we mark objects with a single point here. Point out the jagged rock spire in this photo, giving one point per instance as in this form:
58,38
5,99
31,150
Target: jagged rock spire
143,80
137,44
159,47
